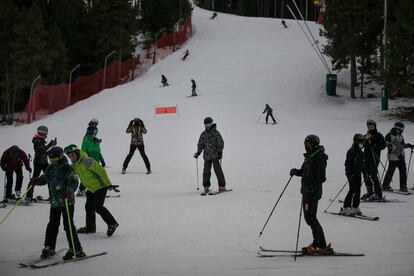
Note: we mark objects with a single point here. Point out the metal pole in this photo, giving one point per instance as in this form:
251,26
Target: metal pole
306,14
104,73
385,30
155,45
70,83
31,100
297,236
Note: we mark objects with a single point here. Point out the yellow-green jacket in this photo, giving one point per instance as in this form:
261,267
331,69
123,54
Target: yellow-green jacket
91,174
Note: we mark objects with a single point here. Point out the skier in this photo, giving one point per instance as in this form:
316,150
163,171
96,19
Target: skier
91,145
214,15
97,183
186,54
353,169
40,158
164,80
137,128
193,88
93,123
212,143
62,184
396,145
11,162
284,24
269,113
313,173
374,143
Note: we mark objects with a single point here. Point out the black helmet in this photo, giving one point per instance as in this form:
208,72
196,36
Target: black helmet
399,125
94,122
358,138
312,139
42,131
55,152
208,121
372,123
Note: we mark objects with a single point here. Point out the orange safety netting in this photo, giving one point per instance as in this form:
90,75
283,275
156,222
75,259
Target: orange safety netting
47,99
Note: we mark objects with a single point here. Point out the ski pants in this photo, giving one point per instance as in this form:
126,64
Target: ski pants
400,164
52,229
218,171
9,182
94,203
371,179
310,208
270,115
141,150
37,169
353,196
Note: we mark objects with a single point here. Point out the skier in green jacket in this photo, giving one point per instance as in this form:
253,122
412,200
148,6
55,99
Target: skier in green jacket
96,181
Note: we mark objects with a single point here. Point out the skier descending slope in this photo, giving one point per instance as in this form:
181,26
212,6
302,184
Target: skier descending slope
313,173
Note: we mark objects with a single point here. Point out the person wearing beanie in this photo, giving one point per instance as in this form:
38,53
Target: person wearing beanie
374,144
211,144
40,147
11,162
396,145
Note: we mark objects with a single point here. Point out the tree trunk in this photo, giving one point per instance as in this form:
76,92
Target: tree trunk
353,75
13,107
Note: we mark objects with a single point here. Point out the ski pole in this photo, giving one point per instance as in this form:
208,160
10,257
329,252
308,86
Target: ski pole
409,162
333,200
4,195
198,188
70,228
297,236
15,205
261,232
383,172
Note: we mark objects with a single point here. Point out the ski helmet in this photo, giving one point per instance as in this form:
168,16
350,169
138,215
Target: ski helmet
42,131
71,148
55,154
312,139
358,138
208,121
399,125
94,122
371,122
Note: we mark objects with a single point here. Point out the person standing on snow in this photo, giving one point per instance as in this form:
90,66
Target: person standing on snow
374,144
193,88
353,169
97,183
164,80
91,145
313,173
396,145
11,162
269,113
62,184
40,158
212,144
137,128
213,16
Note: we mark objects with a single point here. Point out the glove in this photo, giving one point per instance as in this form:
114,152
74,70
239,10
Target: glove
196,155
32,182
53,142
293,172
65,194
103,163
220,155
29,169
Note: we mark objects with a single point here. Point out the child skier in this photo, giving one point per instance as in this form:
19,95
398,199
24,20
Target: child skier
62,184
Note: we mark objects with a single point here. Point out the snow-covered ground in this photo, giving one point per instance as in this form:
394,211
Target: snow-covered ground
166,228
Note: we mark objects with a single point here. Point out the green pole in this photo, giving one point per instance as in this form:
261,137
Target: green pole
15,205
70,228
198,188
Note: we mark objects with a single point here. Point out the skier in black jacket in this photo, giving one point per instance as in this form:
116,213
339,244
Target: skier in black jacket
313,173
374,144
353,169
269,113
40,158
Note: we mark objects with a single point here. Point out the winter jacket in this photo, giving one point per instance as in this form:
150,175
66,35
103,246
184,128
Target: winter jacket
91,174
313,173
211,142
59,178
136,131
40,149
92,147
10,164
354,162
268,109
373,148
396,145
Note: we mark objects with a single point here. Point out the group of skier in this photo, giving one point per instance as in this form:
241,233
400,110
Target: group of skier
164,82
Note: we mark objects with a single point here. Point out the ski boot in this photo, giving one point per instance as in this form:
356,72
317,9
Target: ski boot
314,250
366,196
84,230
387,188
111,229
123,170
78,254
222,189
404,189
356,211
47,252
148,171
347,211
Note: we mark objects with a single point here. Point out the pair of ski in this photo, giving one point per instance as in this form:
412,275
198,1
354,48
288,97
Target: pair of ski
55,260
384,200
263,252
354,216
215,192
